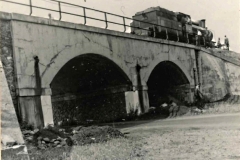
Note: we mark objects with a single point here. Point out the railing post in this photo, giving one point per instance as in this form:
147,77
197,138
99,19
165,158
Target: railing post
124,24
60,12
177,36
187,37
166,34
84,15
154,32
106,19
30,1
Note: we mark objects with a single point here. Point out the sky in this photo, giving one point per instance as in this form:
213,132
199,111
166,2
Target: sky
222,16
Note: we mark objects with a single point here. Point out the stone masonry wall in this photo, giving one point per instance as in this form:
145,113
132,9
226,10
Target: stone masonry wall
215,83
95,108
6,53
233,74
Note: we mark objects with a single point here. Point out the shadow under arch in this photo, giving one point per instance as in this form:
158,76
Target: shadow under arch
168,81
89,87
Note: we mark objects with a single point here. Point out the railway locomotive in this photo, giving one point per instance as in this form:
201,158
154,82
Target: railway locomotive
176,26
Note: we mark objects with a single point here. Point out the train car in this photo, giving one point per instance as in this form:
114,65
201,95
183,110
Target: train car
176,26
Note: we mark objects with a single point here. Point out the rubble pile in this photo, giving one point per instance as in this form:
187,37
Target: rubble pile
47,137
53,137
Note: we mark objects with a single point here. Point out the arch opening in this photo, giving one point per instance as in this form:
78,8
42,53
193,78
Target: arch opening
168,82
89,88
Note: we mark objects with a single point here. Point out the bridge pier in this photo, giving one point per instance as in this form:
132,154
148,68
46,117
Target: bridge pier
137,101
35,109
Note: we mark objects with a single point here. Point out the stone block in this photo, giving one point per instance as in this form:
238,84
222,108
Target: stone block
8,140
47,109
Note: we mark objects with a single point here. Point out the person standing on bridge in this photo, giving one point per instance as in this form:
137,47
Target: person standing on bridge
197,40
226,42
219,45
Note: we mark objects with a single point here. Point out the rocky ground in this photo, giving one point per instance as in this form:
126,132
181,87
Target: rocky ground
51,137
50,141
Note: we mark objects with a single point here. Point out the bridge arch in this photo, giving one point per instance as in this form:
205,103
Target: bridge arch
89,87
49,72
168,80
177,63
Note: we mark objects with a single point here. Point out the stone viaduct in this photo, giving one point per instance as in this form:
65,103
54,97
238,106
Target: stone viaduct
61,71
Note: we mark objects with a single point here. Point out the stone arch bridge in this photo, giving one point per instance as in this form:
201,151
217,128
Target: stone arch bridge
60,71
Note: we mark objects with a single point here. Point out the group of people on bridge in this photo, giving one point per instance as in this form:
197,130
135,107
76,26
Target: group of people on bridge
226,43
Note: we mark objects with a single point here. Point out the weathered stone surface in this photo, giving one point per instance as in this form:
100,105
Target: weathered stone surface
7,140
233,75
6,55
9,122
219,77
213,76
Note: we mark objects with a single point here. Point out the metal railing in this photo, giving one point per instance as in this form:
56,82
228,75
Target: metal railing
61,12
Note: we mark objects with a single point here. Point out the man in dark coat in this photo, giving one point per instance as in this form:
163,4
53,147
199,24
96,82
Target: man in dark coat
219,45
226,42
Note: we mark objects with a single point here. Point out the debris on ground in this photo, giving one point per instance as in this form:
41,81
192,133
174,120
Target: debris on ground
54,137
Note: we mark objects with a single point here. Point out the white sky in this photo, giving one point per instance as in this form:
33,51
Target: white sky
222,16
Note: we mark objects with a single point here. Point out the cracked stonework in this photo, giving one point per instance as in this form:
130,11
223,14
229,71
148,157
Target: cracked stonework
110,49
53,58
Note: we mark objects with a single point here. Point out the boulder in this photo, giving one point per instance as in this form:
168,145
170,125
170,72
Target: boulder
36,130
46,139
39,138
63,143
77,128
25,132
30,138
32,132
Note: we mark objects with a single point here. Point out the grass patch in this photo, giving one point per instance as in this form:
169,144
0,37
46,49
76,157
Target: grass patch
222,108
118,149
